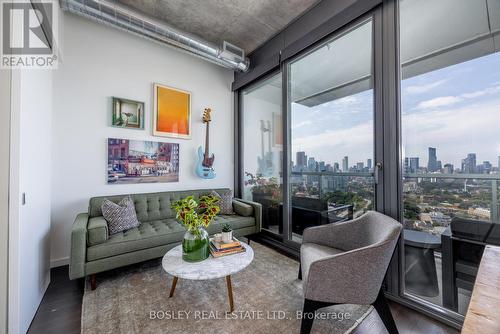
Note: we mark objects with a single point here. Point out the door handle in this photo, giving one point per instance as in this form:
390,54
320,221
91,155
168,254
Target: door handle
378,167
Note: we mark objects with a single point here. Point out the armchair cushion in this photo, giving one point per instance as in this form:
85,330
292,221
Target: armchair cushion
97,231
242,209
310,253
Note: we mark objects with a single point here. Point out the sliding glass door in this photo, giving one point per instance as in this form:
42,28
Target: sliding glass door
327,135
450,97
331,108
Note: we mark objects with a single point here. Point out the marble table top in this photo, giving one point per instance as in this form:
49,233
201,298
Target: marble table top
210,268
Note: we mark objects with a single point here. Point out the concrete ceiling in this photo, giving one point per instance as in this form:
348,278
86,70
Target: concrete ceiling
244,23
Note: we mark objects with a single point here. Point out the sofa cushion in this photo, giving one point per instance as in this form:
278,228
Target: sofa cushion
146,235
235,221
97,231
149,206
242,209
120,217
157,233
225,201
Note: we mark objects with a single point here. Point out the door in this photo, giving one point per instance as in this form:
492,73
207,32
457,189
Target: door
331,161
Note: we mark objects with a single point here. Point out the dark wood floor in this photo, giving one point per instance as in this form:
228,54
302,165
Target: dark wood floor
60,312
61,307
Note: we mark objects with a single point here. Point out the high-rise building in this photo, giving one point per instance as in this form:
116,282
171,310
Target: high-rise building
301,159
439,166
448,169
336,167
345,164
360,166
322,166
369,164
469,164
406,167
499,163
311,164
487,167
432,162
414,164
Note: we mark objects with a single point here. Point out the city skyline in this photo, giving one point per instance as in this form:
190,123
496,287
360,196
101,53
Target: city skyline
469,164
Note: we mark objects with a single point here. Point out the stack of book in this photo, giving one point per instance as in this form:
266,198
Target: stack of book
218,249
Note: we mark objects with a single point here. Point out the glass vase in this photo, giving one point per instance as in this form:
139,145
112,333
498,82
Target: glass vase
195,245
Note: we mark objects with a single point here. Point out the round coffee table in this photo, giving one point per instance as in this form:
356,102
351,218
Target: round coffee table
210,268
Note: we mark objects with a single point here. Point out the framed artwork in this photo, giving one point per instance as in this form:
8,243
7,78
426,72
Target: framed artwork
277,130
127,113
172,112
137,161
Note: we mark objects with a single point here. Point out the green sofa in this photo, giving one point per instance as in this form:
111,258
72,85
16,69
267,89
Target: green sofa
93,250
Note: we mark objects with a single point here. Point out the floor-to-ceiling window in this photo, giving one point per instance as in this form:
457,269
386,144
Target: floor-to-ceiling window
450,99
341,111
331,107
263,150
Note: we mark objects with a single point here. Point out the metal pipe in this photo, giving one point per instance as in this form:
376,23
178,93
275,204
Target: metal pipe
124,18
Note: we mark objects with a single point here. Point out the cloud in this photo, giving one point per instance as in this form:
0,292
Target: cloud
301,124
484,92
420,89
454,132
445,101
332,145
437,102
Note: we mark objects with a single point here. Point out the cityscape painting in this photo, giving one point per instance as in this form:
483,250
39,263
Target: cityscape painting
137,161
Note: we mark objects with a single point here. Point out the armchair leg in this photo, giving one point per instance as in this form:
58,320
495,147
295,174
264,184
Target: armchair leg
310,307
384,312
300,272
93,283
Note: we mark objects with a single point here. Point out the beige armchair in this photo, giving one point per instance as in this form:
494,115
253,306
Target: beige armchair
345,263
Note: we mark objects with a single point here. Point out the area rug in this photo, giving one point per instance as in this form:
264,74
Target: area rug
267,296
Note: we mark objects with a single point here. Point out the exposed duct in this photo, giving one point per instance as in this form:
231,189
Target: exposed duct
122,17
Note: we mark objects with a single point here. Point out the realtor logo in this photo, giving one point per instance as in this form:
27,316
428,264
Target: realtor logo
28,34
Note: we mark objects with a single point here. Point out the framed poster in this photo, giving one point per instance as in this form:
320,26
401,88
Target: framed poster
127,113
138,161
172,112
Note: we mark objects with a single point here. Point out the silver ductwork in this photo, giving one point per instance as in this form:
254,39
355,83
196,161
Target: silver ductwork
122,17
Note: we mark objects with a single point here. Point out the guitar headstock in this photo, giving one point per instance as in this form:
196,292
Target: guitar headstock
206,115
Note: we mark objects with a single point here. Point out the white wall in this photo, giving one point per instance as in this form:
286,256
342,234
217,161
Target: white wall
5,76
30,173
100,62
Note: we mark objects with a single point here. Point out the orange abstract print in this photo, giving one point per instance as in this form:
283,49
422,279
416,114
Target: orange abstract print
173,111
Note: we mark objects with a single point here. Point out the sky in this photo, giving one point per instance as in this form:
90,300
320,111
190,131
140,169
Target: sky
455,109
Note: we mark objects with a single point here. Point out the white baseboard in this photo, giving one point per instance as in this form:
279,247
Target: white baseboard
59,262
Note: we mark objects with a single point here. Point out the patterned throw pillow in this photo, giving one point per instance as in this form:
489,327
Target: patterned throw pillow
121,216
226,201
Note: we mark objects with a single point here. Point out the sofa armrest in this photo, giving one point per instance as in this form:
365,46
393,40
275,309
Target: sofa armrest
243,209
78,246
257,211
97,231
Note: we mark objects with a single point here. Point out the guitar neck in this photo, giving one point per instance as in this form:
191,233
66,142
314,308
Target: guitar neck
206,140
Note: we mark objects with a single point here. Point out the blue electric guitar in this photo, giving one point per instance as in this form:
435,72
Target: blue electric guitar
204,166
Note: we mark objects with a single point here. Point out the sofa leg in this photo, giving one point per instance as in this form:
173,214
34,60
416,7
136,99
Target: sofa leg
309,310
384,313
93,283
299,276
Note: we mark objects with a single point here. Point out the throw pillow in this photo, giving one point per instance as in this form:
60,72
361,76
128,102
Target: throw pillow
121,216
226,201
